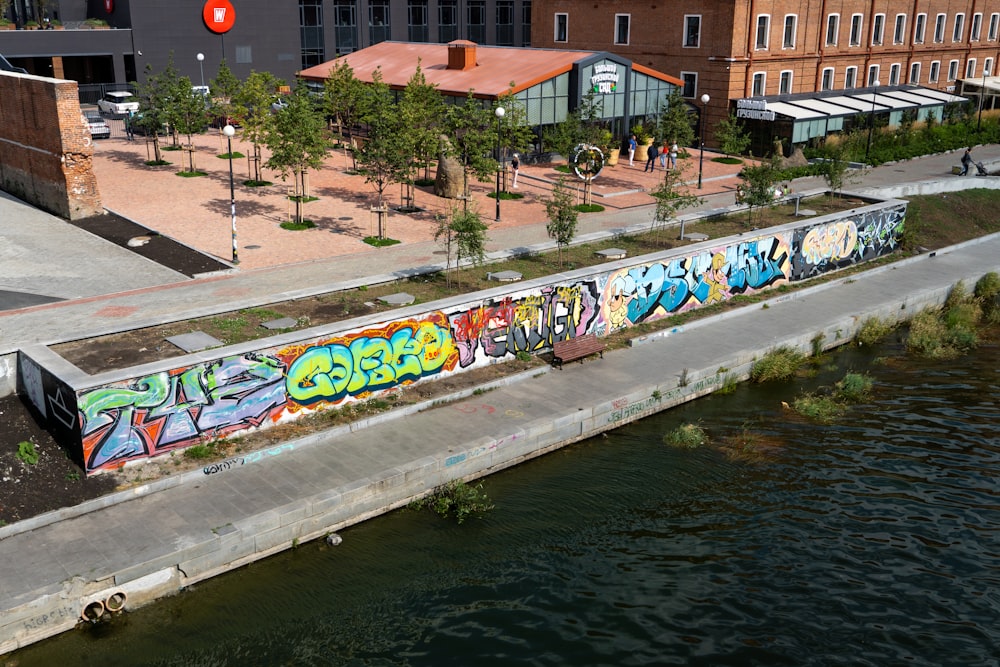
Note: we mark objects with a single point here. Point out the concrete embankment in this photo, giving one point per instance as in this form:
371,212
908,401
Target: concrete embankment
173,533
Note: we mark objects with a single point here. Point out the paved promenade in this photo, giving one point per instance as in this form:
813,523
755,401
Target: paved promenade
197,525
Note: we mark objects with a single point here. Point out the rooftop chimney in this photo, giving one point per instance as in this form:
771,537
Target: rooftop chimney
461,54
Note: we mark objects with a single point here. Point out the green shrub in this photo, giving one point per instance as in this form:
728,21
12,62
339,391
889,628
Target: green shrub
854,387
873,330
778,364
688,436
456,499
987,293
729,384
927,335
589,208
820,408
291,225
199,452
27,452
379,242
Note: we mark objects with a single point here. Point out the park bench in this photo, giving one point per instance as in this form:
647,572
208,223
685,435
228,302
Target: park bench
577,348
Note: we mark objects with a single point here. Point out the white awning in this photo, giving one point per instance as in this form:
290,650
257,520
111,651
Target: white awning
862,102
824,106
794,111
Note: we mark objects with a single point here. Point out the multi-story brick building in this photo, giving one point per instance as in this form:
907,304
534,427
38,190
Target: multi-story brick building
769,49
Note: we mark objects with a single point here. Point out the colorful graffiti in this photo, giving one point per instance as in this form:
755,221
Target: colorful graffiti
163,411
529,323
830,242
847,242
651,291
372,360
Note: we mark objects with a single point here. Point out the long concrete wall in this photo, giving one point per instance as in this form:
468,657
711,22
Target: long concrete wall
46,152
110,419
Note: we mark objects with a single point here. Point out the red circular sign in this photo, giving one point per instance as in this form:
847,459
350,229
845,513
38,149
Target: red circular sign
219,16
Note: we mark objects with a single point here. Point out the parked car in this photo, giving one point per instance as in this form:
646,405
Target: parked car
118,102
99,128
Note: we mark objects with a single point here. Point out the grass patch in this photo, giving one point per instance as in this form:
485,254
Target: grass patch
506,195
235,155
379,242
457,500
854,388
588,208
686,436
778,364
873,330
191,174
727,160
303,198
200,452
729,384
170,147
424,182
27,452
156,163
257,184
562,169
823,409
293,226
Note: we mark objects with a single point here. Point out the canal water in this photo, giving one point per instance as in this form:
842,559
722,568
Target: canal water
873,541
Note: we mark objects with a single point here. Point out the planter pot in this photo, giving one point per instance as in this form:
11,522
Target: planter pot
613,156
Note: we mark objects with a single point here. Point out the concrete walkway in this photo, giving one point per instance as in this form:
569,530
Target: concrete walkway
185,529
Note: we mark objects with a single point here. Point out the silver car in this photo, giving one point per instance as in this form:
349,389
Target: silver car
99,128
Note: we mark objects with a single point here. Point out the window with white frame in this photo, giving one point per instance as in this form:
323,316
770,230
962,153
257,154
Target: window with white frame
622,24
832,28
994,27
690,80
878,28
894,74
899,32
788,36
873,71
763,28
952,70
785,82
914,73
850,78
856,23
959,29
826,81
970,68
920,29
692,31
934,72
939,27
561,28
759,83
977,27
987,66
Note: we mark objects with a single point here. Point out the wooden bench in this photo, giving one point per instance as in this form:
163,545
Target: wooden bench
577,348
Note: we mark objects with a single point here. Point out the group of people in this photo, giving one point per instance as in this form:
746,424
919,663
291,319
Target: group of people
652,151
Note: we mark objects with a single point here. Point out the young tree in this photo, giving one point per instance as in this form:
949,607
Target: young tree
344,99
672,195
465,230
732,136
385,156
562,215
297,142
255,96
758,188
187,112
422,110
472,129
675,119
582,126
225,90
154,96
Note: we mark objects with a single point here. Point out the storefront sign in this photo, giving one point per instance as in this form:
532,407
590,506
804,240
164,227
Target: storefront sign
605,78
753,109
219,16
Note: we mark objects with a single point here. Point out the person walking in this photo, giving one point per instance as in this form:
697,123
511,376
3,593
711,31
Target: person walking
632,145
129,129
673,154
515,164
651,158
966,162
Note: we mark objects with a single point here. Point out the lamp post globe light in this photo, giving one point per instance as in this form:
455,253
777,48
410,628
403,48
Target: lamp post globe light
871,124
201,66
982,94
500,111
701,135
229,131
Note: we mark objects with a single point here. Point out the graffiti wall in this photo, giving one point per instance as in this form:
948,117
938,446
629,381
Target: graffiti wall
159,412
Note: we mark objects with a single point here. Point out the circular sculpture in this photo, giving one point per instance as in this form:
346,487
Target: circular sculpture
587,161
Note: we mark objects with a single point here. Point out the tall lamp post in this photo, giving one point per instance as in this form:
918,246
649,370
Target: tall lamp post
229,131
871,124
500,111
201,66
701,135
982,93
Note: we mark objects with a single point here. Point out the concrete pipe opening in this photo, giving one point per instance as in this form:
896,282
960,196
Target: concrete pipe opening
115,602
93,611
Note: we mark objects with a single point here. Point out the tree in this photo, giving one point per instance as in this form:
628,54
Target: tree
385,156
837,170
672,195
422,110
471,127
563,216
256,96
515,134
225,90
154,96
675,119
582,126
732,136
465,230
758,188
297,142
344,98
187,113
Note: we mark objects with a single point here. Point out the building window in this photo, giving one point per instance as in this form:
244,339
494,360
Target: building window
850,78
788,38
994,27
505,22
952,70
345,26
416,12
832,28
873,71
525,22
378,21
759,84
826,83
244,55
311,31
899,32
977,27
970,68
939,28
856,22
934,72
956,33
894,74
477,21
690,80
878,28
987,66
621,28
915,73
692,31
447,21
763,28
562,28
785,82
919,28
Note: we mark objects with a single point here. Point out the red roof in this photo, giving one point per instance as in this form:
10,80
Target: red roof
497,67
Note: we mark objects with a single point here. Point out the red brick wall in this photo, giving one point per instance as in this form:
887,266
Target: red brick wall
46,153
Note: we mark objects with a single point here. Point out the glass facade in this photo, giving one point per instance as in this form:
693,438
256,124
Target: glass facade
345,25
311,32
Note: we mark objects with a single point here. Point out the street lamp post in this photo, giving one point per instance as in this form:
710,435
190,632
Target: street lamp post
500,111
701,135
982,93
871,124
201,66
229,131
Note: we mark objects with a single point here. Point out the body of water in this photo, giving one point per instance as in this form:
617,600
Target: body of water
873,541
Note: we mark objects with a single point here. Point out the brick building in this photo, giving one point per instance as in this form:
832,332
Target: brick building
767,50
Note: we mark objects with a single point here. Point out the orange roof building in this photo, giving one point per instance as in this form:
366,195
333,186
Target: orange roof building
550,83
